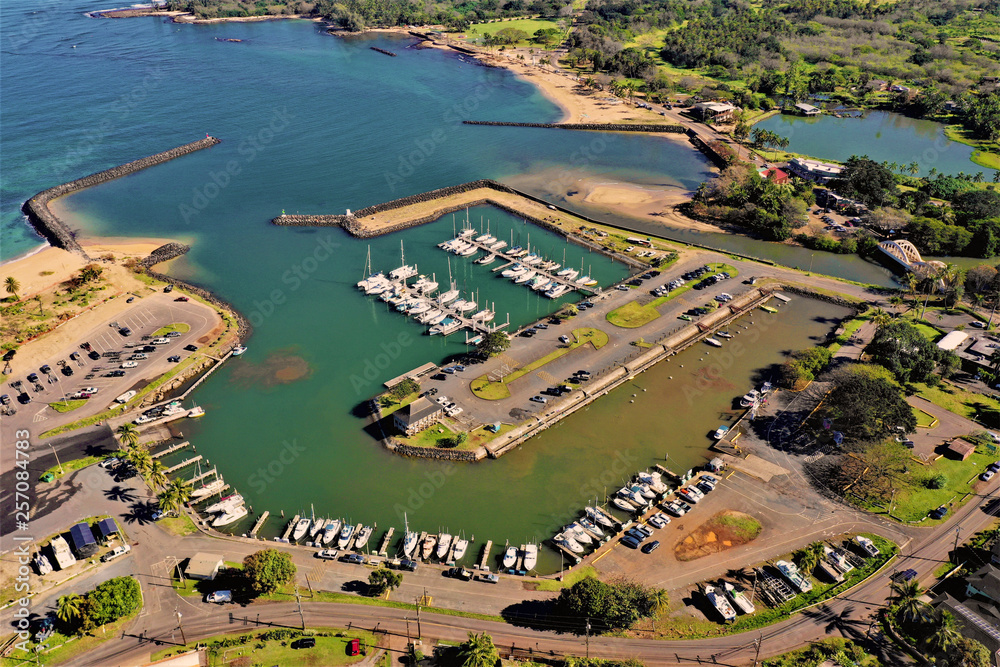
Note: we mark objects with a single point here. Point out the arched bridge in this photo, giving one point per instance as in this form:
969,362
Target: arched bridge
908,256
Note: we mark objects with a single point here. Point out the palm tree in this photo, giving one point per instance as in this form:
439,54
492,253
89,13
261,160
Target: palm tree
911,283
478,651
69,607
995,360
174,495
911,607
157,474
128,434
880,318
897,302
808,558
12,286
38,299
944,634
913,168
141,459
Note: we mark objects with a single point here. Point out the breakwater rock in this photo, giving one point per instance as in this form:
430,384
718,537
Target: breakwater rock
55,231
598,127
430,453
388,53
165,252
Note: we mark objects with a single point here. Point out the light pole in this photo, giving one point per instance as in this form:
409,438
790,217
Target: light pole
180,625
57,461
954,551
811,262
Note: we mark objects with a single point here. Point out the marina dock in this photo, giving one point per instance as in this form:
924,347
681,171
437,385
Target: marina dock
195,480
669,473
286,536
607,515
484,558
260,523
171,449
406,293
383,548
184,464
354,537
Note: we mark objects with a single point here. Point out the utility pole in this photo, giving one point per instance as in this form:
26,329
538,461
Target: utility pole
757,642
954,551
419,634
180,625
57,458
298,601
588,639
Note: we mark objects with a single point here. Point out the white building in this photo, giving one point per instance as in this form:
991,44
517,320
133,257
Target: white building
814,170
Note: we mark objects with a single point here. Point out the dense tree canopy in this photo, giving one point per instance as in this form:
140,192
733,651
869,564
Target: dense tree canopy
900,347
867,181
869,404
114,599
609,606
268,569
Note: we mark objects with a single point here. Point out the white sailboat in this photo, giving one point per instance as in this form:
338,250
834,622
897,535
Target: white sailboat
568,542
524,277
404,271
484,315
409,538
231,516
598,517
225,504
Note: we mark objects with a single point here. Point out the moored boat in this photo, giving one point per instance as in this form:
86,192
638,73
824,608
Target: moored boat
231,516
713,342
720,603
238,350
300,528
738,597
591,527
510,557
361,540
330,531
225,504
599,517
530,553
461,546
208,489
317,526
750,398
427,548
345,535
577,532
623,505
568,542
524,277
487,259
444,543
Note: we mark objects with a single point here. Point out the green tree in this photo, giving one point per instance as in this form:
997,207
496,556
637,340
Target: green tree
268,569
140,459
128,434
869,404
868,181
174,496
908,603
12,286
157,473
404,389
114,599
478,651
809,557
383,580
69,608
967,653
904,350
494,343
880,318
943,635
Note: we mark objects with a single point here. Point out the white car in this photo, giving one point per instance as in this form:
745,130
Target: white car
129,364
327,554
160,341
89,390
219,597
115,553
139,356
454,412
442,400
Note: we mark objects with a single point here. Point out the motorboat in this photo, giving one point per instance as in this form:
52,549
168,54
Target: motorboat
557,291
424,285
238,350
513,271
445,327
530,553
364,533
591,527
723,334
542,285
532,260
867,545
461,546
464,306
317,526
43,564
510,557
225,504
437,318
499,245
421,307
430,315
568,542
720,432
403,272
794,577
330,531
837,559
524,277
631,496
765,388
713,342
378,288
577,532
448,296
471,250
427,549
300,528
487,259
738,597
444,543
721,604
568,273
644,491
484,315
231,516
208,489
624,505
654,481
599,517
750,398
371,280
345,535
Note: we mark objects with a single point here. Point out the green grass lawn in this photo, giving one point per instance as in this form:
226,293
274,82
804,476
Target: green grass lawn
914,503
429,437
180,327
330,649
68,406
392,407
961,402
75,464
632,315
576,575
492,391
530,26
924,420
178,525
76,646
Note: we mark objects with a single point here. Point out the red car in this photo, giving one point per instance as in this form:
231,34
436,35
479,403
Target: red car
354,647
181,298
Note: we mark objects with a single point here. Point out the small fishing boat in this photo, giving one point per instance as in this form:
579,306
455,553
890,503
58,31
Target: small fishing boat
510,557
330,531
599,517
444,543
723,334
361,540
345,535
765,388
577,532
317,526
591,527
720,603
739,598
410,538
750,398
623,505
568,542
427,549
231,516
720,432
300,528
794,577
713,342
238,350
487,259
530,553
461,546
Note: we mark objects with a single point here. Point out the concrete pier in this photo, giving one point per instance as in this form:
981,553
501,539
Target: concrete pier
484,558
195,480
171,449
383,549
184,464
291,526
260,523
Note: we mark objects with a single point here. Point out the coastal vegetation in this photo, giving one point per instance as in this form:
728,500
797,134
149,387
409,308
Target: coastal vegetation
833,650
275,647
113,599
610,606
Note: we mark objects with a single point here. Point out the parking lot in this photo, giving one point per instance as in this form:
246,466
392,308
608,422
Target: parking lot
535,392
117,357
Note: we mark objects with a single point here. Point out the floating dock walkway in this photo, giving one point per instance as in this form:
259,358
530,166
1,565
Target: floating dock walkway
183,464
286,536
462,321
260,523
195,480
383,548
484,558
171,449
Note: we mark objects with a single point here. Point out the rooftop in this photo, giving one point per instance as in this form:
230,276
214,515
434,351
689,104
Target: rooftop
203,565
952,340
417,410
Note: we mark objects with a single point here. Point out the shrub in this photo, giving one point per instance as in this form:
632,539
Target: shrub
938,481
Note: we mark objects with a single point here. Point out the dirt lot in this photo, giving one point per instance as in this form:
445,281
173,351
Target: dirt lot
723,531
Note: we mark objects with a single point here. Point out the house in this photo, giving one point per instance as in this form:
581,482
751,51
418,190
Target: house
807,109
83,540
716,111
952,105
985,583
107,528
416,416
203,566
977,621
960,449
877,84
952,340
814,170
777,175
995,553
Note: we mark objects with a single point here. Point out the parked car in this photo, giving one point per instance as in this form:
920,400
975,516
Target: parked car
219,597
987,476
115,553
489,578
328,554
651,547
304,642
354,647
357,559
539,399
630,542
191,348
125,331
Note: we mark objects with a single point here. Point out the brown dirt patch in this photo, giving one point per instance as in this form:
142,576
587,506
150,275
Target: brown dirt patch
723,531
280,367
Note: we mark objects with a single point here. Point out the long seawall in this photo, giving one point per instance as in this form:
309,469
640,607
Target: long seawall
597,127
55,231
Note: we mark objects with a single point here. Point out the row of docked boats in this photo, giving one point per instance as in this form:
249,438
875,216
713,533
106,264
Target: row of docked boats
589,530
754,397
227,510
444,546
526,555
326,532
727,598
